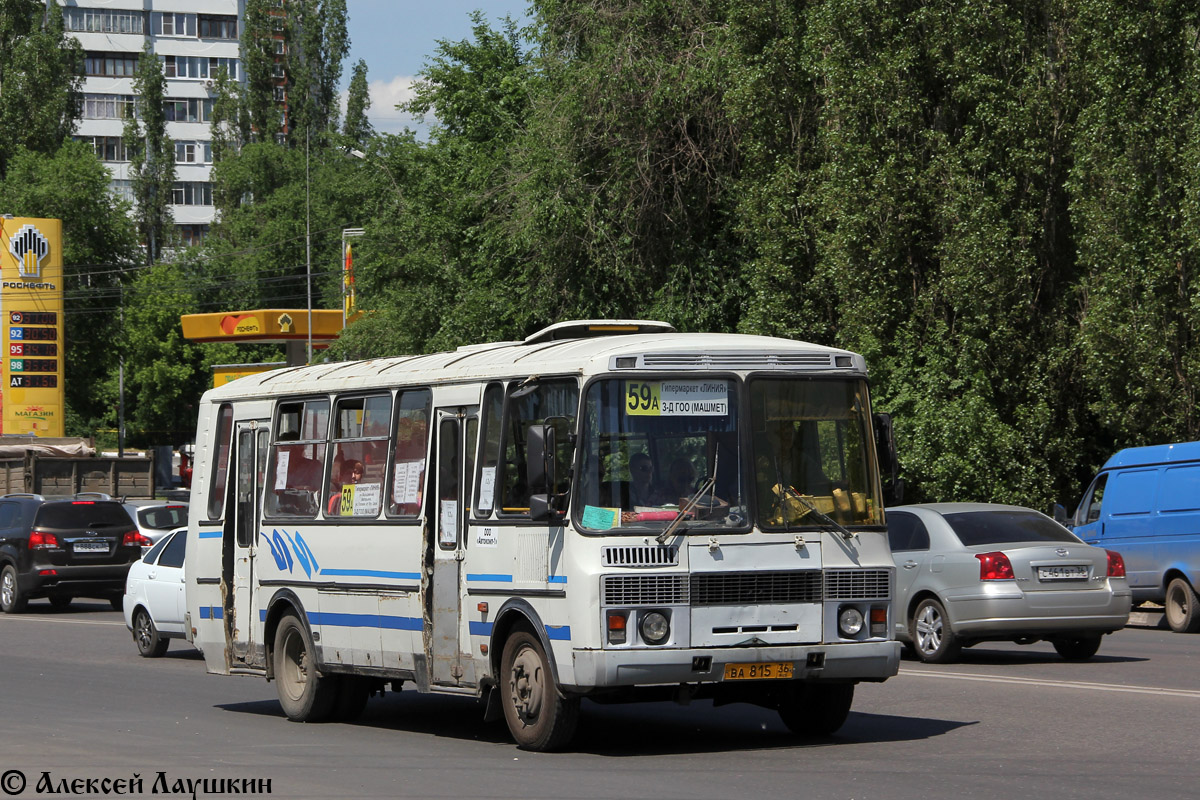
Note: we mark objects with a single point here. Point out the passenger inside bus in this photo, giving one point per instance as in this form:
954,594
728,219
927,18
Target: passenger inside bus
643,489
350,472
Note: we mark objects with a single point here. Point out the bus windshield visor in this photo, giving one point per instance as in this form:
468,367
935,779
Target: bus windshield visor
655,450
814,459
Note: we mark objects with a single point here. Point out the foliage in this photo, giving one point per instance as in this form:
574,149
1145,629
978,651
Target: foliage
317,43
151,155
40,76
357,128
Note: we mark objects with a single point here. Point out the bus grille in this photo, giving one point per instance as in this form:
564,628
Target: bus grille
756,588
637,590
640,556
858,584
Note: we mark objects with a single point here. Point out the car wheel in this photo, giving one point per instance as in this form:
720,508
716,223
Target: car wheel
60,601
539,718
817,710
149,643
1078,648
304,694
1182,607
929,630
11,599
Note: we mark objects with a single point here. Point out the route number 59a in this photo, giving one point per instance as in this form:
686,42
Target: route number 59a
643,399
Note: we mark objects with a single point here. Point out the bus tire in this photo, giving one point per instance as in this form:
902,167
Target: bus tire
817,709
1181,607
304,694
538,717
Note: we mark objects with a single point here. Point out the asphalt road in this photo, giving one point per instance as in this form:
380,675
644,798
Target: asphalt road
76,702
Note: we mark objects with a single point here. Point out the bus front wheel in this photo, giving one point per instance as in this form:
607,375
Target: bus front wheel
304,695
817,710
538,717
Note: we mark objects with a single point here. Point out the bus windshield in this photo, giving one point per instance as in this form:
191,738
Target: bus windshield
649,446
813,452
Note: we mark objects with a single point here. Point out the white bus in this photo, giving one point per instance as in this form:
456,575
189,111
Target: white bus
607,509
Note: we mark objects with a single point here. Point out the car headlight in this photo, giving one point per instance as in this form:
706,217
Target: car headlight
850,622
655,627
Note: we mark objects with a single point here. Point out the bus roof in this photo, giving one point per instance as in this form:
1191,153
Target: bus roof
595,347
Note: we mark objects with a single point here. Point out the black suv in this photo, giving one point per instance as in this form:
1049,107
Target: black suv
60,549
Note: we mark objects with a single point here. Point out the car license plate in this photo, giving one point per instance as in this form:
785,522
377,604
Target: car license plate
91,547
1073,573
761,671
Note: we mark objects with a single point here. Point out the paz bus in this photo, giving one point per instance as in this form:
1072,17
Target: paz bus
608,510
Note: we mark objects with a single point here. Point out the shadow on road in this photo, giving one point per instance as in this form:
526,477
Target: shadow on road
647,729
992,656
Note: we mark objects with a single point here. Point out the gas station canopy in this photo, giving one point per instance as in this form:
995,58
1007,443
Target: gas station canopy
264,325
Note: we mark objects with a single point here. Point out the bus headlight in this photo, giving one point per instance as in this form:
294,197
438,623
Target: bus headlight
655,628
850,622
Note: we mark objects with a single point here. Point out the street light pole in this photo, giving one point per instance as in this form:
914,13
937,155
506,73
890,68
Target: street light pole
308,243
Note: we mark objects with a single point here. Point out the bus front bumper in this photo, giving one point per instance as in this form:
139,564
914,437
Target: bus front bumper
858,661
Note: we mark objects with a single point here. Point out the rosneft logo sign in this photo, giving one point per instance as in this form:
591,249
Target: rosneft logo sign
30,248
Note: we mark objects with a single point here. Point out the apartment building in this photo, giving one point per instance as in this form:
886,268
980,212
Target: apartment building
194,39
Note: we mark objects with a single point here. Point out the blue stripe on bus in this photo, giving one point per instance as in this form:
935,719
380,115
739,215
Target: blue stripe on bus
340,620
372,573
558,578
480,628
210,534
212,612
491,578
560,632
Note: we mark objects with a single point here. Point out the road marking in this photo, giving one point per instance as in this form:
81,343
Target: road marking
1099,687
67,621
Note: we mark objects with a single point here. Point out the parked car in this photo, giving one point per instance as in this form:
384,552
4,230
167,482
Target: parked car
156,519
1145,502
976,572
62,549
155,604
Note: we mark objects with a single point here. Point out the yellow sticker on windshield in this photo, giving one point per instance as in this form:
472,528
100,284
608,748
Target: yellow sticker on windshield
677,398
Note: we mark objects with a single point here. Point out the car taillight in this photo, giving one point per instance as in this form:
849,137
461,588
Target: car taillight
994,567
40,540
1116,564
135,539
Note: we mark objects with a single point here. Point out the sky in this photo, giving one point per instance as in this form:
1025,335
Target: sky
397,37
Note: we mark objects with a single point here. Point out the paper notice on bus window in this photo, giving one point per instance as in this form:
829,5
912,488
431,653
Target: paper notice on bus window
281,468
601,519
449,522
366,499
412,492
400,482
487,488
677,398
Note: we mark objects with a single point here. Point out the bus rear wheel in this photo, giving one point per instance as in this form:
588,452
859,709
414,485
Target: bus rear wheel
817,710
538,717
304,695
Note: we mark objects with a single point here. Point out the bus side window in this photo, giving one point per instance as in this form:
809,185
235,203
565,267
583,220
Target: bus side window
223,440
407,466
297,459
526,407
489,459
357,471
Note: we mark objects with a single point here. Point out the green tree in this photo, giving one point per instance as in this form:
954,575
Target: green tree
317,43
259,109
151,155
41,72
357,128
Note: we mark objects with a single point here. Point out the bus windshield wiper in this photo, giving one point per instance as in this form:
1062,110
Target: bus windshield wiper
830,522
691,504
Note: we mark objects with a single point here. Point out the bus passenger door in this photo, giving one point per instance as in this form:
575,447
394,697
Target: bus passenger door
241,623
444,639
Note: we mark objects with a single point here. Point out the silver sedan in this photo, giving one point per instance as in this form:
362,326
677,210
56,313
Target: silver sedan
975,572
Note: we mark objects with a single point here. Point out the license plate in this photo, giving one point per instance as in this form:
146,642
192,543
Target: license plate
91,547
1076,573
762,671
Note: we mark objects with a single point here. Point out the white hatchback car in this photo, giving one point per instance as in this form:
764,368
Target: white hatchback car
155,519
155,603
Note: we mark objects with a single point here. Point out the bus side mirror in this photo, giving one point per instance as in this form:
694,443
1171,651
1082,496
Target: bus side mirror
889,463
541,468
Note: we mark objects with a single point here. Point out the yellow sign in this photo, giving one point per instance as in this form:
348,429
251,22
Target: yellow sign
31,310
224,373
677,398
347,507
264,325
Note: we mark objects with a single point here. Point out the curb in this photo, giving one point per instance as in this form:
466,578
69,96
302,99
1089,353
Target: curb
1147,618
